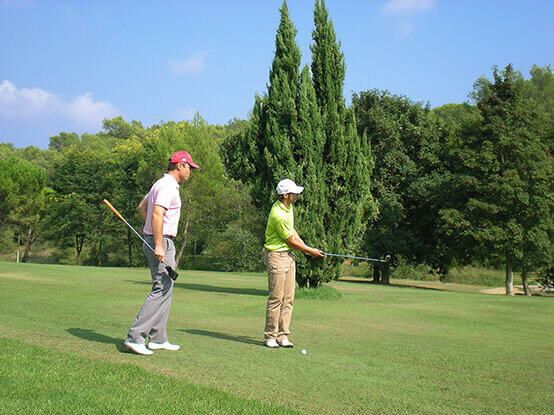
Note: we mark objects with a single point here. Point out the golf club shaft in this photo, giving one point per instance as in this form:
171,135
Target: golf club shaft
171,272
114,210
359,257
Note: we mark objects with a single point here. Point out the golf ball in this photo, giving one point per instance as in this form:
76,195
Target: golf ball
303,351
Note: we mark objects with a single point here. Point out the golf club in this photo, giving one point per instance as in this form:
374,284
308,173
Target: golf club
172,273
387,258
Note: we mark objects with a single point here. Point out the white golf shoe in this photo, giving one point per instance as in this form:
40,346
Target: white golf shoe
285,343
163,346
272,343
138,348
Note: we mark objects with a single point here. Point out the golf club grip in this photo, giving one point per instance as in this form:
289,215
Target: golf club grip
114,210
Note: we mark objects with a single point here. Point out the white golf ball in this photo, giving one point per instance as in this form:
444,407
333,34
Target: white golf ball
303,351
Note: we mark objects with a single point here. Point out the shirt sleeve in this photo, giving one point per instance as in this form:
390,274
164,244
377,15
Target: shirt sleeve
162,197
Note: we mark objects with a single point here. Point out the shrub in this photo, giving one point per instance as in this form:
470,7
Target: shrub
236,250
545,278
322,292
359,270
420,272
473,275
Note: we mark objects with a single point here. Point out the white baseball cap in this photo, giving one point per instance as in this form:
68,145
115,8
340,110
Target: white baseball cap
288,186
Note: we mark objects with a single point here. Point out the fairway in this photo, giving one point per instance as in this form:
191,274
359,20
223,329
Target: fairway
378,349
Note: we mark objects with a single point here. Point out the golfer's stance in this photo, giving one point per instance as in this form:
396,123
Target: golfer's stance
160,209
280,239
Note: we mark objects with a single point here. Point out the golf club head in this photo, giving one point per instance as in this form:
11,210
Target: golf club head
172,273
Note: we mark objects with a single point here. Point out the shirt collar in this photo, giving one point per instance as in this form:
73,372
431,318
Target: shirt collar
166,175
282,206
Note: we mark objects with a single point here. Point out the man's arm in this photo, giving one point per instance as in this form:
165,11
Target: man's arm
157,228
143,209
295,242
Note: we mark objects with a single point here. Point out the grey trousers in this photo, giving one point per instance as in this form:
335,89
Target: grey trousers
151,320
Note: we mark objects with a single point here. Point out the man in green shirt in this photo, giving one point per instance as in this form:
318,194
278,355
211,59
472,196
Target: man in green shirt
280,239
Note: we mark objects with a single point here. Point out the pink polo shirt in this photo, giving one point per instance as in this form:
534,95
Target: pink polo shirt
164,193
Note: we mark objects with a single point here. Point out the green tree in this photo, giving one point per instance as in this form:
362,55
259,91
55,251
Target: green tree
453,115
63,140
302,130
210,201
505,173
273,125
312,207
346,155
22,199
408,148
80,179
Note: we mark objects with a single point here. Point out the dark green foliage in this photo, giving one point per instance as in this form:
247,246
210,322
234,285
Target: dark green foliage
347,161
545,278
453,115
503,176
62,140
302,130
235,249
22,200
268,144
408,147
310,211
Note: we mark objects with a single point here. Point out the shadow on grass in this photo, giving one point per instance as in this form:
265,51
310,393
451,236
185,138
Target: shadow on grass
92,336
415,285
212,288
223,336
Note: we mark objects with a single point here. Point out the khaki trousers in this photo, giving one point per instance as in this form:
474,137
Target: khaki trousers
281,271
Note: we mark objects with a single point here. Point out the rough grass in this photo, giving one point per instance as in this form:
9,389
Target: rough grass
379,349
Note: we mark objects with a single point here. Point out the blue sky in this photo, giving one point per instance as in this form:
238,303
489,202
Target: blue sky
66,65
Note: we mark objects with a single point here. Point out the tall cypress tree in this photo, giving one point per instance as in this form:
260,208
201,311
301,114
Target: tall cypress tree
310,211
302,130
346,156
269,141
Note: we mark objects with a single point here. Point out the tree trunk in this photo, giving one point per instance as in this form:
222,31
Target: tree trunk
377,273
385,273
509,277
526,289
100,252
31,239
185,233
130,247
79,240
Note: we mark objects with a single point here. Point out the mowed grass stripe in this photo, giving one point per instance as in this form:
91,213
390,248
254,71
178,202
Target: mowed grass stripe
37,380
377,349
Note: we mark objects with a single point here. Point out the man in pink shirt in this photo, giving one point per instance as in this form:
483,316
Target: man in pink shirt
160,209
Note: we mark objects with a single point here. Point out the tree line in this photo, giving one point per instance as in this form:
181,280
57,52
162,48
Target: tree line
459,184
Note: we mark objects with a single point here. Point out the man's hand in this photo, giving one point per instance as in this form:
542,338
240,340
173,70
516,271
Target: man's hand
296,242
159,253
316,253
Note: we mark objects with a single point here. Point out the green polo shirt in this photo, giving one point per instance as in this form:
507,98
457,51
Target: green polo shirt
280,226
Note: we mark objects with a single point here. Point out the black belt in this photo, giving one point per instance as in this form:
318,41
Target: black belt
165,236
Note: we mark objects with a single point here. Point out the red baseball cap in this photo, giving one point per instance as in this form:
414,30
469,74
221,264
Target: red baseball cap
183,157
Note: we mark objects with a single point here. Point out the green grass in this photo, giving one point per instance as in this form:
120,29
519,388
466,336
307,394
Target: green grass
378,349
